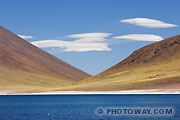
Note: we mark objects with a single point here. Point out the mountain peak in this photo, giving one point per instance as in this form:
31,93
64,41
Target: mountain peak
18,54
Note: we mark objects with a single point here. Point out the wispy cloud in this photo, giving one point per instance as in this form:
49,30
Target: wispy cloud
83,42
140,37
146,22
25,37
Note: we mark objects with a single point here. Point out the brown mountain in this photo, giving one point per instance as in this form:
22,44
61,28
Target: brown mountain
22,63
160,51
154,66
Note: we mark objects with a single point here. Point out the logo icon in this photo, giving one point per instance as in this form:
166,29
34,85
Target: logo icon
100,111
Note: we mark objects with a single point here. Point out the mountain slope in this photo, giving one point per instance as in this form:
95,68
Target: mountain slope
22,63
154,66
162,51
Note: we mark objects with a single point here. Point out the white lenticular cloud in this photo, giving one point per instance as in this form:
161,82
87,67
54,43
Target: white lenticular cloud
140,37
90,35
83,42
146,22
25,37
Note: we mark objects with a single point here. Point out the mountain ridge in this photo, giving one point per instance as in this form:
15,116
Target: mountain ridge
150,52
153,66
18,56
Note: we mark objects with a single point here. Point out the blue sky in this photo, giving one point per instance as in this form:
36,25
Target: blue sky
92,35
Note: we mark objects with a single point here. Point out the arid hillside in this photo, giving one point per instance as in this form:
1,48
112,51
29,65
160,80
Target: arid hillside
23,64
154,66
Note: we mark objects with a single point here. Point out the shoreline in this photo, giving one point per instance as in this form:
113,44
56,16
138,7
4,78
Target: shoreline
121,92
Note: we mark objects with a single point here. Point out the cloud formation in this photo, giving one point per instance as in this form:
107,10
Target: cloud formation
25,37
146,22
140,37
83,42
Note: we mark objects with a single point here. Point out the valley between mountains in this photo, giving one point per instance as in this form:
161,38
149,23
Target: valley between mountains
25,68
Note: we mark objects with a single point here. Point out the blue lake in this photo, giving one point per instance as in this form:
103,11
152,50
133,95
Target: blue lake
86,107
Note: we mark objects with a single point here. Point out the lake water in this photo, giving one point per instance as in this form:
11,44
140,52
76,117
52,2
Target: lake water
89,107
